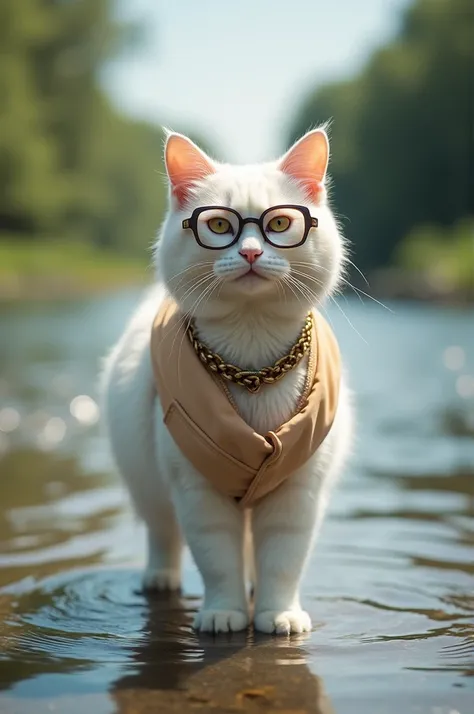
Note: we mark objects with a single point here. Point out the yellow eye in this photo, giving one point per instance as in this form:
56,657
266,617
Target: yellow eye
279,224
219,225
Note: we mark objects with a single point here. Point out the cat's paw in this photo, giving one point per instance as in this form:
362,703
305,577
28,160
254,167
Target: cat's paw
221,621
282,622
161,580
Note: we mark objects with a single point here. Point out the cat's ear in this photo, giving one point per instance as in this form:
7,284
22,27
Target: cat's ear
307,162
185,164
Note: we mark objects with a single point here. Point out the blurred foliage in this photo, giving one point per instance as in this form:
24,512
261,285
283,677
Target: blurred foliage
443,255
402,136
57,268
75,171
70,165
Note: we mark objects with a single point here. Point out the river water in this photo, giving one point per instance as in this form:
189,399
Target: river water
390,586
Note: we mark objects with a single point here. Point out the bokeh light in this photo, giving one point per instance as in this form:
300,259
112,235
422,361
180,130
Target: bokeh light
454,358
9,419
465,386
52,434
84,409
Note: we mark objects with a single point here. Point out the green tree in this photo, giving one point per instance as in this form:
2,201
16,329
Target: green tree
29,179
402,132
71,166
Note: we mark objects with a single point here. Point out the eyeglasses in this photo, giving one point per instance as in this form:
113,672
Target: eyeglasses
217,227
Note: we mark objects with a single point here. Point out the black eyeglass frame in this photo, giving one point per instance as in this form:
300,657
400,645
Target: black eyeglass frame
309,222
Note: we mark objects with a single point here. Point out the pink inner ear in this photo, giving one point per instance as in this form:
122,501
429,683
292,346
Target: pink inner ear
307,162
185,164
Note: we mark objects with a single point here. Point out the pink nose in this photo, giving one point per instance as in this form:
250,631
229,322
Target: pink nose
250,254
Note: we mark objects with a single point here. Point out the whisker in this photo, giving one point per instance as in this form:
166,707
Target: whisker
195,280
288,283
195,285
185,316
348,320
313,297
186,270
310,277
206,293
358,290
190,267
314,280
305,291
348,260
342,311
347,282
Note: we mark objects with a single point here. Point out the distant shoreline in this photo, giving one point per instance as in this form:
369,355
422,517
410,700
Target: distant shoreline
28,288
51,289
395,284
52,270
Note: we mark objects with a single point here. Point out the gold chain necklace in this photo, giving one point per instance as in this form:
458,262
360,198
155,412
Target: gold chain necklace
251,380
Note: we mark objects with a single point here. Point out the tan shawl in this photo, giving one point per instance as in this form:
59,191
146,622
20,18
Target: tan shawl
212,435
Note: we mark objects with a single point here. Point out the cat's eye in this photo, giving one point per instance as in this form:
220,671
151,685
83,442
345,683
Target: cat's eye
279,224
219,225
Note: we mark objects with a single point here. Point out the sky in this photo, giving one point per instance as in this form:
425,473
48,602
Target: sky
236,71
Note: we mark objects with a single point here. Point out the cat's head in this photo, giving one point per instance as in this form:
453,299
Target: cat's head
214,261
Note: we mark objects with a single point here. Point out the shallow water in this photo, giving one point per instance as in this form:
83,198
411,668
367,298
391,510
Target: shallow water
390,586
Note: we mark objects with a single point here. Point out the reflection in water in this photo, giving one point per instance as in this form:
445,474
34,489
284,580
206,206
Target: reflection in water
52,516
172,668
390,587
154,658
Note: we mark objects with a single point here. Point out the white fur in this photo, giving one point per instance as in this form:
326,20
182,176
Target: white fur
250,322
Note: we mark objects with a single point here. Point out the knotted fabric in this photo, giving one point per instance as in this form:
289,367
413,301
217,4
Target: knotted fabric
202,420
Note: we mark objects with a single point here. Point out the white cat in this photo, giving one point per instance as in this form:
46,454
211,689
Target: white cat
249,302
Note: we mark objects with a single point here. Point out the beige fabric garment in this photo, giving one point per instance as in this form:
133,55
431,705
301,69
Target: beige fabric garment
213,436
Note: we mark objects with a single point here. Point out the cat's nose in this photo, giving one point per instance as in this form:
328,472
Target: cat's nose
251,254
